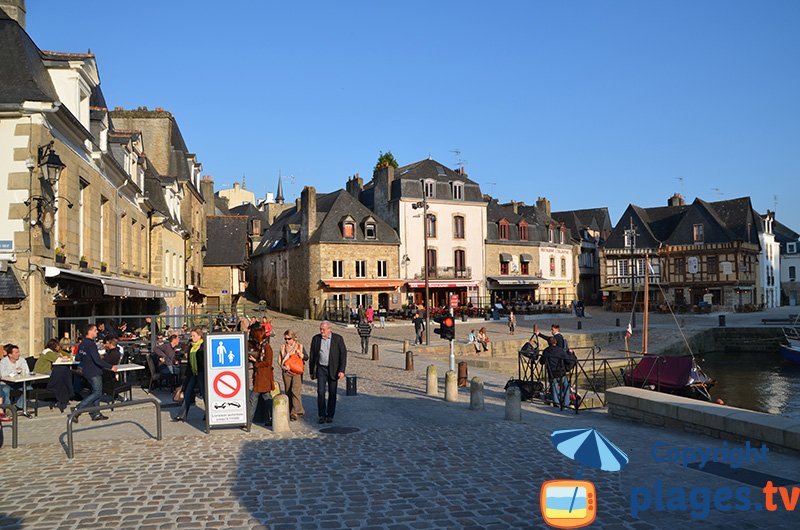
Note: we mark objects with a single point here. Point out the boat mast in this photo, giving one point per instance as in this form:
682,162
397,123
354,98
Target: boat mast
646,302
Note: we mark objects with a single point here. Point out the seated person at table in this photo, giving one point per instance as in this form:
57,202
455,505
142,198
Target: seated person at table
12,365
113,355
144,331
53,352
167,356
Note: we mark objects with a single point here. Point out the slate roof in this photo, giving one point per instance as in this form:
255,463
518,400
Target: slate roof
24,75
10,289
251,212
407,185
596,219
538,231
227,241
155,192
723,221
783,233
221,206
332,209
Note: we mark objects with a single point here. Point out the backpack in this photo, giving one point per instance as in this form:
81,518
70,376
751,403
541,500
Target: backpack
527,389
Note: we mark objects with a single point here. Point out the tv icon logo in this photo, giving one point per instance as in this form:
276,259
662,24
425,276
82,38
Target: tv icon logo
568,503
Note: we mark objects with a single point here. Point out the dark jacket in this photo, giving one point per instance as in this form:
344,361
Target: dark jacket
337,360
557,360
91,363
419,323
167,352
113,356
561,342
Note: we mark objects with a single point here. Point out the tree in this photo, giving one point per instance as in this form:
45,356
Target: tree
386,159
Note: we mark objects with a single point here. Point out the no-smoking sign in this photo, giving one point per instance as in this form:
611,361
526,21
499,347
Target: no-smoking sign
227,384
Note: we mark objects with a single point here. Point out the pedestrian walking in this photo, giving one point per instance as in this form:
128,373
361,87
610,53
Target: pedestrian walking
92,367
263,375
364,329
512,322
194,374
370,314
382,316
328,361
419,327
293,372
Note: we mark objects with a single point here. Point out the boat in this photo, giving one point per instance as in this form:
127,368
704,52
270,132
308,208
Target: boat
791,350
790,353
681,375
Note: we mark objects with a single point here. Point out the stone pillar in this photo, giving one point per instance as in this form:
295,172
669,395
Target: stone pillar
513,404
450,386
476,394
280,413
375,354
432,383
409,361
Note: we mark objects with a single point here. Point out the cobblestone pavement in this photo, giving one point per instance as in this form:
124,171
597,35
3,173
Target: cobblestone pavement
416,462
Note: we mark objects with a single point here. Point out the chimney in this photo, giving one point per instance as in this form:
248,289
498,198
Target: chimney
544,205
207,191
15,9
383,178
676,200
308,213
355,185
514,206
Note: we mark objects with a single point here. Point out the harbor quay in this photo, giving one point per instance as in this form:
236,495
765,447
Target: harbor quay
394,458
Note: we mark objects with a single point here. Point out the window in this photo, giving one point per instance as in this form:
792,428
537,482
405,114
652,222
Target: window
562,235
361,268
431,225
167,267
502,229
369,231
81,217
792,273
431,261
383,269
523,231
622,267
349,230
103,217
563,267
458,191
680,266
524,268
503,267
460,261
791,248
429,188
551,234
552,266
458,227
338,269
712,265
698,233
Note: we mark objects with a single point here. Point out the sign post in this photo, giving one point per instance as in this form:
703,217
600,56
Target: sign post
226,381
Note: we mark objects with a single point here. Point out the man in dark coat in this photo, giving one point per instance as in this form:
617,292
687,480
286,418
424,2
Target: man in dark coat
558,362
328,361
92,366
555,329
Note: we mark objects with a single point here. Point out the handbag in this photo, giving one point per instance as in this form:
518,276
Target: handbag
177,396
295,364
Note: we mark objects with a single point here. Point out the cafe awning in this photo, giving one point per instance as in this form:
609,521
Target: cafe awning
505,258
516,281
442,284
525,258
363,284
111,286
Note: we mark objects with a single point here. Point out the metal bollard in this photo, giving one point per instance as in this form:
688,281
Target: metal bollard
450,387
722,321
476,394
513,404
432,381
352,385
617,322
280,413
409,361
463,374
375,355
580,324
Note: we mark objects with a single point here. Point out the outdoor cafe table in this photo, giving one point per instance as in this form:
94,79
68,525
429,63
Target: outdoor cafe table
130,367
25,379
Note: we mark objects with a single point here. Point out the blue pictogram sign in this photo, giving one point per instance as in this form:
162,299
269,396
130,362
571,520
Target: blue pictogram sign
226,353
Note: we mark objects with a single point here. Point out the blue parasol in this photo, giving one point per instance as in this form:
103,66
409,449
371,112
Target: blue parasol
590,448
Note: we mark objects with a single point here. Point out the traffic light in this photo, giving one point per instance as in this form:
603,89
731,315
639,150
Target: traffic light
447,327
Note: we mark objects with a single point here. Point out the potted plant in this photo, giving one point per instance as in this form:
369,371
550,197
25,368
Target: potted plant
103,266
84,263
61,256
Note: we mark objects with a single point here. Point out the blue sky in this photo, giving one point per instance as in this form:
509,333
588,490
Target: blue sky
587,103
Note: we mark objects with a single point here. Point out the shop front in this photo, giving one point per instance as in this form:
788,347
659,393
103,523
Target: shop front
440,291
342,297
514,290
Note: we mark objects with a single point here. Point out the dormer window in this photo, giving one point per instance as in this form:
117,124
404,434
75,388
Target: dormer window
458,191
698,234
523,231
502,229
429,188
551,234
562,237
370,232
348,228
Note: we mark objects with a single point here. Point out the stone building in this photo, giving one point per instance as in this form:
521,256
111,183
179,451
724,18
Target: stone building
589,229
73,244
456,225
237,195
768,289
703,254
230,240
529,258
325,255
789,241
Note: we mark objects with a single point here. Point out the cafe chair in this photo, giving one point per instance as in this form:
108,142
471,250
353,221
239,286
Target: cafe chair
113,388
38,390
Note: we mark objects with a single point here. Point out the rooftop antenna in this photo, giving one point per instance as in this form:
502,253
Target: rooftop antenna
491,190
681,179
717,192
459,161
774,203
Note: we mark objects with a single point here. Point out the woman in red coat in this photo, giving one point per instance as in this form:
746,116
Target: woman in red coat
263,376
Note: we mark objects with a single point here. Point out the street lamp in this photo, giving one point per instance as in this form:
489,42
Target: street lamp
50,162
630,237
424,205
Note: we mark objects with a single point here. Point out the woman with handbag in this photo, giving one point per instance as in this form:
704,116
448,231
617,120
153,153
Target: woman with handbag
293,357
263,375
195,373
